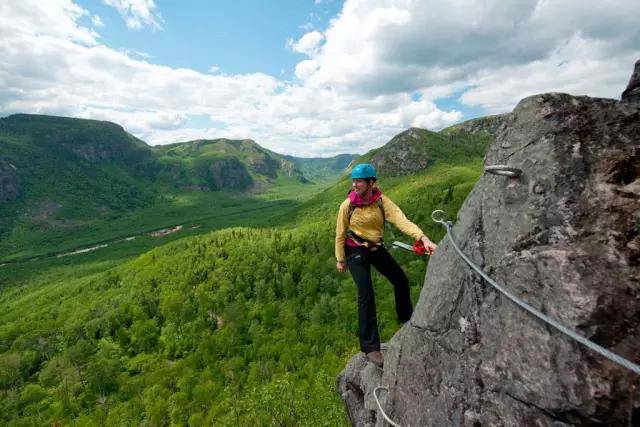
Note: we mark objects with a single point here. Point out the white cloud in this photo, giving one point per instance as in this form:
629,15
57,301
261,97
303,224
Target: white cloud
54,19
309,43
306,69
580,67
58,76
138,13
353,91
96,21
394,46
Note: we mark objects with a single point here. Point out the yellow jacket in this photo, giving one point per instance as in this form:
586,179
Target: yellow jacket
367,222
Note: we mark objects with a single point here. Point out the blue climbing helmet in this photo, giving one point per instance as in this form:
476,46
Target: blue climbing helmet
363,171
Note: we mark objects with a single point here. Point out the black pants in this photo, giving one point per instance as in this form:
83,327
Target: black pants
359,261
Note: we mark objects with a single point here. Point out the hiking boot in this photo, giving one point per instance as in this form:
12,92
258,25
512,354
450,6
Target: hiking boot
375,357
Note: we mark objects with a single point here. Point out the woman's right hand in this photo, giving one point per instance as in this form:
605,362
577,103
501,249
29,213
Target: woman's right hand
341,266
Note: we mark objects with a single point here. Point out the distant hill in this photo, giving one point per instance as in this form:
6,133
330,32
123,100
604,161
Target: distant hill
50,157
223,164
415,150
58,166
61,175
322,167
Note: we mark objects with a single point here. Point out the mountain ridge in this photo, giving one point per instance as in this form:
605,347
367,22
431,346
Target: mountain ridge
59,140
62,176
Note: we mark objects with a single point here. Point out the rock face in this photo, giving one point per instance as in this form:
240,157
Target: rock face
632,92
565,237
9,182
288,168
402,155
95,152
229,173
263,164
356,385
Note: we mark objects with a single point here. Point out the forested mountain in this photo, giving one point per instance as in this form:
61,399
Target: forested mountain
244,326
417,149
66,161
62,176
223,164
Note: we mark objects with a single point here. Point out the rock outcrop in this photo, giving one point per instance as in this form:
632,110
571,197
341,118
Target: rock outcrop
403,155
417,149
95,151
10,187
632,92
229,174
264,164
565,237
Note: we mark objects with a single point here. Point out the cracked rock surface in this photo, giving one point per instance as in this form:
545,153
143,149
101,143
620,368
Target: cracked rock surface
565,237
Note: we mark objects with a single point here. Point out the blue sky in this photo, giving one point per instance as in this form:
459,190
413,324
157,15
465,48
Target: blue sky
239,36
305,77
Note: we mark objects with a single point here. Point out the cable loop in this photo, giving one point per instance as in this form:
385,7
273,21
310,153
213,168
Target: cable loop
389,420
537,313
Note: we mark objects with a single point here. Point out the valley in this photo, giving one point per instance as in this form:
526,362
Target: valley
235,318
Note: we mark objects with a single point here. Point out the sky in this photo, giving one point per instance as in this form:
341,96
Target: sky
305,77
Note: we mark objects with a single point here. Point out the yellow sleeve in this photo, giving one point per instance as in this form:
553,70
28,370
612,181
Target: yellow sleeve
342,224
394,215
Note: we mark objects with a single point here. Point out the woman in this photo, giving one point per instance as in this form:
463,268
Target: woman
359,246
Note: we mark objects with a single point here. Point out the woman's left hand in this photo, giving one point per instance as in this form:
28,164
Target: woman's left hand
429,246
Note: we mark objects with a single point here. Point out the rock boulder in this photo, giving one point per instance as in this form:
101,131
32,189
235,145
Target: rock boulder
565,237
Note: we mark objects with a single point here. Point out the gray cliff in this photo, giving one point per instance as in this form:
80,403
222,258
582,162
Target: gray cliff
229,173
565,237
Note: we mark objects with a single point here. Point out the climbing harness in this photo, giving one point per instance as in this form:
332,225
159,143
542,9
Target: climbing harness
361,241
503,170
439,216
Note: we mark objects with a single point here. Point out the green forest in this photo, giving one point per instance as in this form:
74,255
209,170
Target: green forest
237,326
